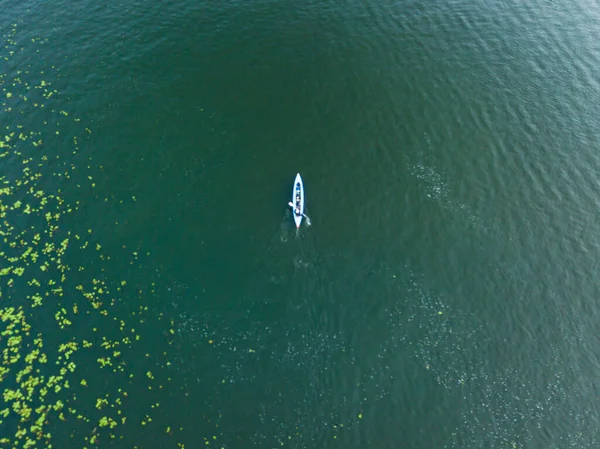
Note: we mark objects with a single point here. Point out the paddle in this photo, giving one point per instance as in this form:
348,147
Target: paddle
294,207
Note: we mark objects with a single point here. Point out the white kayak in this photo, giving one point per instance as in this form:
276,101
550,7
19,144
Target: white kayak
298,200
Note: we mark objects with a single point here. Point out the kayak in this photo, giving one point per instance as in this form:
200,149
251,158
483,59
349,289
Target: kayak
298,200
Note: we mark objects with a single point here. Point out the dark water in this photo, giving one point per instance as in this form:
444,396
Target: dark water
445,295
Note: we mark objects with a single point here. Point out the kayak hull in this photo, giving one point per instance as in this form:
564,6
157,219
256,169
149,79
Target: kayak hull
298,199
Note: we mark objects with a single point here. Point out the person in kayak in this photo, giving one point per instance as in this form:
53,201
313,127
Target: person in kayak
297,208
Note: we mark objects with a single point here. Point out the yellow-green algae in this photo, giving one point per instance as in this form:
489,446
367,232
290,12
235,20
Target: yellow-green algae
39,367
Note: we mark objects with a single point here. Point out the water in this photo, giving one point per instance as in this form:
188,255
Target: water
445,296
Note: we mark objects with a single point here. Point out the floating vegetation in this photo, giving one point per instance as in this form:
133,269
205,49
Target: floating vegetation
57,332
